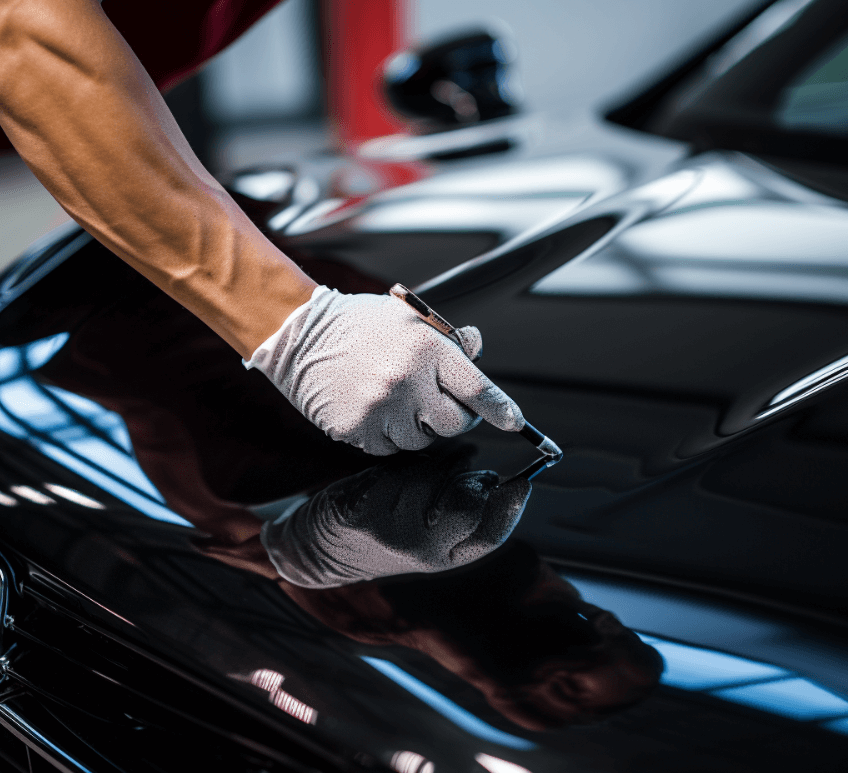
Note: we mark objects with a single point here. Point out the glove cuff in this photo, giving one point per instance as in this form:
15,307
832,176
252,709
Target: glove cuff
273,354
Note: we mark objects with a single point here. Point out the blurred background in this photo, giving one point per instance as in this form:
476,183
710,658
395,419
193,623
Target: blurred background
263,99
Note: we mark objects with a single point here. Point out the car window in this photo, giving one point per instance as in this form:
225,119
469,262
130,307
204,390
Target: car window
818,99
782,92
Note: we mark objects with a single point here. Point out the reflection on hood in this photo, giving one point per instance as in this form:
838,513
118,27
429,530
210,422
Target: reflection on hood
509,626
410,514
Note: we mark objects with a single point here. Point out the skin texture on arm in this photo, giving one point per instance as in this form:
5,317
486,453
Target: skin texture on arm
88,120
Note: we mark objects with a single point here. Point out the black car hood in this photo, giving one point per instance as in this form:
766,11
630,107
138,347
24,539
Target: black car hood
701,498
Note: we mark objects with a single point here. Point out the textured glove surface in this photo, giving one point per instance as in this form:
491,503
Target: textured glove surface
408,515
367,370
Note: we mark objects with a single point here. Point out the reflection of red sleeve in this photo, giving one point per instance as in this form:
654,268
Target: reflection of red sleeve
173,39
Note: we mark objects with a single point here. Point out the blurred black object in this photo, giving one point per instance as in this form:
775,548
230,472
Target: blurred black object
459,81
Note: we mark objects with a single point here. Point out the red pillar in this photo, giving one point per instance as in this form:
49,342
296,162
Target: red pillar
359,35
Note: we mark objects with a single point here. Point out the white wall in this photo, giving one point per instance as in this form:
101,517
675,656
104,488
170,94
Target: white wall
576,54
269,71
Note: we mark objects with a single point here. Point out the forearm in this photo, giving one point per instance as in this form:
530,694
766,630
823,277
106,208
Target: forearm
88,120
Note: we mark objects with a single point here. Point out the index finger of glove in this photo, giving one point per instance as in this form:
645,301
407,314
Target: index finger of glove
467,383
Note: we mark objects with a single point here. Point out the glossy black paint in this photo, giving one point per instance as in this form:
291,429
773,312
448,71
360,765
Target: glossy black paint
681,337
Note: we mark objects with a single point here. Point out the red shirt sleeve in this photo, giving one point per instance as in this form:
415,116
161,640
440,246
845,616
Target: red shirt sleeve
174,38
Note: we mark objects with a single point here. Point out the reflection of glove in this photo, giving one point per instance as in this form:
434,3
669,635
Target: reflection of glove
367,370
393,519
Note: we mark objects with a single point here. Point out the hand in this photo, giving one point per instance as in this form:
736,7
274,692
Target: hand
407,515
367,370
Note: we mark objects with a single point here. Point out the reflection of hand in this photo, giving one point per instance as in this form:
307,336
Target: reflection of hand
367,370
408,515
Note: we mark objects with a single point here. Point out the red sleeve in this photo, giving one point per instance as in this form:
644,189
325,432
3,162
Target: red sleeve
174,38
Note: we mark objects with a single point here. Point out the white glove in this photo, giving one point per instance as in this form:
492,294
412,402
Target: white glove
368,370
406,515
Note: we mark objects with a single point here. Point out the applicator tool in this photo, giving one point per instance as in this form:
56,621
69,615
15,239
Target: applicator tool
552,452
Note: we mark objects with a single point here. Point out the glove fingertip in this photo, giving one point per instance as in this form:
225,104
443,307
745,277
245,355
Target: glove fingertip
516,417
501,411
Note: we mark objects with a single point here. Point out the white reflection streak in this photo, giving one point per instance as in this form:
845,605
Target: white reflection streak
266,679
497,765
270,681
411,762
807,386
291,705
32,495
504,216
7,501
265,186
757,251
72,495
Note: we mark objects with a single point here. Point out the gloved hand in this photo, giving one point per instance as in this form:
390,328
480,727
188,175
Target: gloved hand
367,370
407,515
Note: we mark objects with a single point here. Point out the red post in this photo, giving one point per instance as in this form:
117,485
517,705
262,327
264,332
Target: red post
359,36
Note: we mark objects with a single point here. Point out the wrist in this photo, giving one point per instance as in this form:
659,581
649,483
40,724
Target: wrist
272,355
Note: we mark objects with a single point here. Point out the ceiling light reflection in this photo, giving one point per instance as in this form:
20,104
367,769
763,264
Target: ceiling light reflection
269,680
411,762
114,486
266,679
293,707
497,765
33,495
7,501
72,495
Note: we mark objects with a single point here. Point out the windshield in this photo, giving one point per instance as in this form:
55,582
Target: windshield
779,87
818,99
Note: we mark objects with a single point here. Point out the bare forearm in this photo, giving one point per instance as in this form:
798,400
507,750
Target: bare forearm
88,120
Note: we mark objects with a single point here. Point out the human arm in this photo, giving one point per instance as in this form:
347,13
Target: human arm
87,119
85,116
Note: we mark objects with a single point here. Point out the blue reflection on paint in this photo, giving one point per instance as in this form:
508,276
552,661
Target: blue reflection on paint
837,725
447,708
693,668
777,690
796,698
10,363
40,352
76,432
108,421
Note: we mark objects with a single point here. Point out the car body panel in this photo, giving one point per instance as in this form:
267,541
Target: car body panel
677,324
